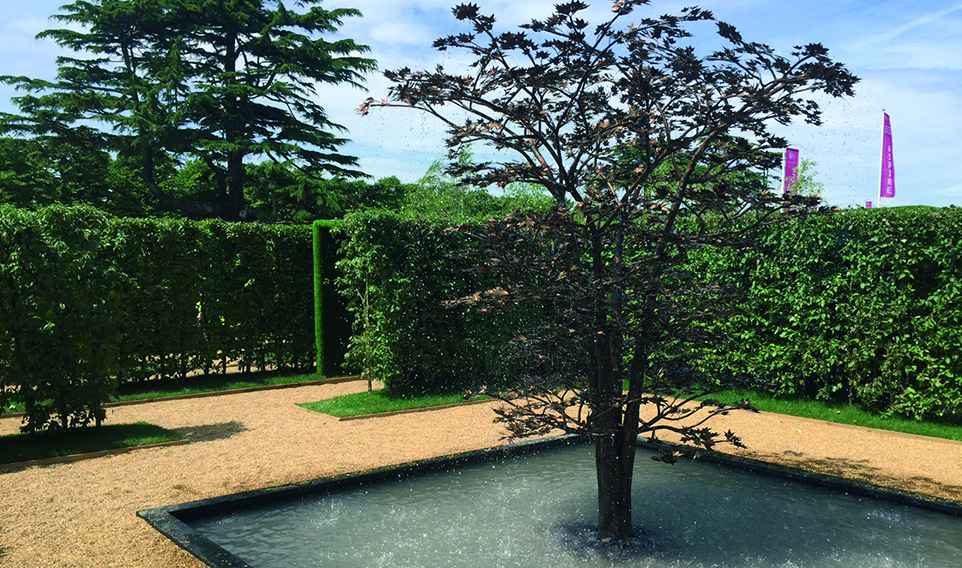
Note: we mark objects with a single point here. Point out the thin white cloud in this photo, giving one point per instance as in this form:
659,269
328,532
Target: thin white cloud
919,22
928,41
924,56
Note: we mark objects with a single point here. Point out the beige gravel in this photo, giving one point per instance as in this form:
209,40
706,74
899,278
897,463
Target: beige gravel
82,514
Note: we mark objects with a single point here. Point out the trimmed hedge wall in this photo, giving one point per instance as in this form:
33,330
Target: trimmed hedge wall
332,321
87,300
396,275
862,306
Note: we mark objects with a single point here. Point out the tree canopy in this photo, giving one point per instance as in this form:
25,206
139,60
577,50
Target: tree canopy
215,81
70,170
651,151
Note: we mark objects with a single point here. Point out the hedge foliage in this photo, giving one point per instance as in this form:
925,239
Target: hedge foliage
397,273
60,300
332,321
87,300
863,306
399,277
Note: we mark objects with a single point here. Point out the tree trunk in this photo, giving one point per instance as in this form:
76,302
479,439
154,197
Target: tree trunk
234,204
233,199
614,443
614,465
192,209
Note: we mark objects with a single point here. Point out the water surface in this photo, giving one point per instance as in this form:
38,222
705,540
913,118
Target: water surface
537,511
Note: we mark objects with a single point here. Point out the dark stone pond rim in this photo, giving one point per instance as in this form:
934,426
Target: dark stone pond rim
173,520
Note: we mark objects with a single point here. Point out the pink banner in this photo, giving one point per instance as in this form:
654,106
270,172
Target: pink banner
887,186
790,169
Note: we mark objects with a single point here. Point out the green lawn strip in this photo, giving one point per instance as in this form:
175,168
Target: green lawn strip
840,413
202,385
199,385
378,402
24,447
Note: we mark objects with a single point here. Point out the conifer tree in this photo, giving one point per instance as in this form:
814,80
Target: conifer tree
224,82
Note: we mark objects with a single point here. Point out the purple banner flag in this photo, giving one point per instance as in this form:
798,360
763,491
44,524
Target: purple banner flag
790,170
887,186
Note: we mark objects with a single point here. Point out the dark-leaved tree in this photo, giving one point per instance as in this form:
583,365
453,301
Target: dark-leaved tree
208,80
644,144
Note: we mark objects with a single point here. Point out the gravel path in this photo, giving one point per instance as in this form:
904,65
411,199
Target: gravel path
82,514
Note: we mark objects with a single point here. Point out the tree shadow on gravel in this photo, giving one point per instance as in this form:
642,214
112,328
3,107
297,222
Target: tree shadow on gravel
210,432
861,470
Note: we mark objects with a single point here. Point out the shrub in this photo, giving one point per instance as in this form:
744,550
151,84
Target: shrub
61,297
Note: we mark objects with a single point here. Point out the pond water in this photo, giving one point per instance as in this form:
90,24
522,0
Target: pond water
537,511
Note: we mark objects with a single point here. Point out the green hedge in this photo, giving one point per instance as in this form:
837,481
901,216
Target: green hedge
397,275
60,303
863,306
87,299
332,321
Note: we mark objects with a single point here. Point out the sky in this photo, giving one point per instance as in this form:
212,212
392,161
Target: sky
908,56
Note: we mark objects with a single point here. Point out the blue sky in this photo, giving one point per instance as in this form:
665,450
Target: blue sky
908,55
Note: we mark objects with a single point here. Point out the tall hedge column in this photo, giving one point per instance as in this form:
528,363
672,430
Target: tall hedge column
332,327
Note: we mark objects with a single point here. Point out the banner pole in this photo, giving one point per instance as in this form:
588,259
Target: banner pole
881,161
790,165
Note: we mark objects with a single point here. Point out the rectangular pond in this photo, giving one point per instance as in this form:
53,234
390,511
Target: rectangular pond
537,510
